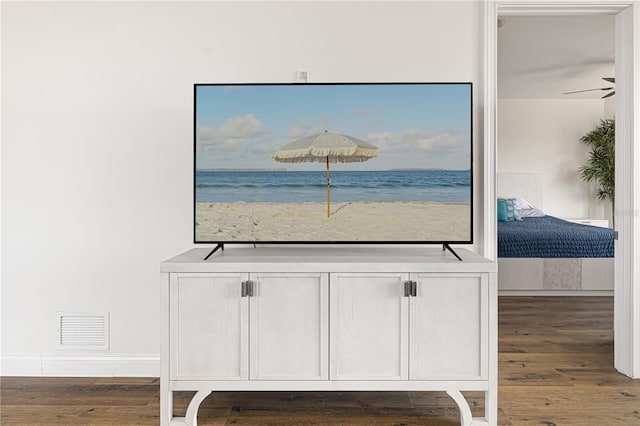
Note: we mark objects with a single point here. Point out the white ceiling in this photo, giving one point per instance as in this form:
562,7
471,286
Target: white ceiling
545,56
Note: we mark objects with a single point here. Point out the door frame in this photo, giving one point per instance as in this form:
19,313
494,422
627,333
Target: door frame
627,203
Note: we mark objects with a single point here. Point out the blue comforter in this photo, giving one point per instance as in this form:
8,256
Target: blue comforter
549,236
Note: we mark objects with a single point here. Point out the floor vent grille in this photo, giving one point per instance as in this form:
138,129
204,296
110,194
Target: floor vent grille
83,331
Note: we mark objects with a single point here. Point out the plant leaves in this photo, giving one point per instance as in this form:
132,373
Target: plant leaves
601,163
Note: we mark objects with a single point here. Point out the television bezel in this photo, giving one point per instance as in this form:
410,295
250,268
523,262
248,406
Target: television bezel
323,242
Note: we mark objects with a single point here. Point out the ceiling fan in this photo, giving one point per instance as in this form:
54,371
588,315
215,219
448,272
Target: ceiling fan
609,79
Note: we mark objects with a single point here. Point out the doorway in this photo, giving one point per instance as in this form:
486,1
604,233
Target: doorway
627,276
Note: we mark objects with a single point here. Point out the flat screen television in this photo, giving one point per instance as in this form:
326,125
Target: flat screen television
333,163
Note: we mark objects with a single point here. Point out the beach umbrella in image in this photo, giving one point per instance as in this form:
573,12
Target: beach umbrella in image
326,148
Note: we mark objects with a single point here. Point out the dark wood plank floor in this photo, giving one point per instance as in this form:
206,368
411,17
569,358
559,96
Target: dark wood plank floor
555,368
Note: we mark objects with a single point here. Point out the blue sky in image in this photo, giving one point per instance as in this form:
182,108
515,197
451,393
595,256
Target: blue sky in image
413,125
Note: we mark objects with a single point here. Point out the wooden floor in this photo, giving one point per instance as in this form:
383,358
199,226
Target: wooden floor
555,368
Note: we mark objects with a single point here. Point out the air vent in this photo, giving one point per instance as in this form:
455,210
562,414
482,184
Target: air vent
83,331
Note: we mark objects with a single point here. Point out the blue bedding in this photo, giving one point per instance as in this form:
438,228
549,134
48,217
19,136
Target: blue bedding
549,236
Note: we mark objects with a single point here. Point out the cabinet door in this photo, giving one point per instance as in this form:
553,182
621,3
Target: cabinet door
289,327
369,327
209,327
448,329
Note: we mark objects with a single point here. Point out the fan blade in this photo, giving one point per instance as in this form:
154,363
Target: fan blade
609,79
608,94
588,90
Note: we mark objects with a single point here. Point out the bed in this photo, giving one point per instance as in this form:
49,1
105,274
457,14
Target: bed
546,255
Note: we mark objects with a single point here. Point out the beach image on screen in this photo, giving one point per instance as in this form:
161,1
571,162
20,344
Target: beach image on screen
333,163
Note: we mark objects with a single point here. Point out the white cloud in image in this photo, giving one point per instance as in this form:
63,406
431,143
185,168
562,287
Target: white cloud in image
418,148
241,139
234,131
419,140
241,127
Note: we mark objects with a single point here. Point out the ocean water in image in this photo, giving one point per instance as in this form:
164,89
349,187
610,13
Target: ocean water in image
443,186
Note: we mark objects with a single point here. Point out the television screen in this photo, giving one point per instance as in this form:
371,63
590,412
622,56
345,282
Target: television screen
333,163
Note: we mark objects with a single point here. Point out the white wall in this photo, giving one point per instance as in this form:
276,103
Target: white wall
97,137
543,136
610,107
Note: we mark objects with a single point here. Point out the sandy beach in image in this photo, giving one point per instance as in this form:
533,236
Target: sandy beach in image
349,221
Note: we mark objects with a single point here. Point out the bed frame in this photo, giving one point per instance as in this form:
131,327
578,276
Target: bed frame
548,276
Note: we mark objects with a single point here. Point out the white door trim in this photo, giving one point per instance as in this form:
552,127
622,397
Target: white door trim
490,95
627,206
627,203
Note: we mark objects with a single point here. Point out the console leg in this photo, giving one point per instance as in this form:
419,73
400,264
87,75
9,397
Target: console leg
466,419
191,417
465,411
192,410
166,404
491,406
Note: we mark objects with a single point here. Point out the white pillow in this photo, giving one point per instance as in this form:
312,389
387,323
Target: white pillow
533,212
523,204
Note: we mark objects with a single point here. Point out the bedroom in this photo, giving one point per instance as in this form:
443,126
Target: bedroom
540,152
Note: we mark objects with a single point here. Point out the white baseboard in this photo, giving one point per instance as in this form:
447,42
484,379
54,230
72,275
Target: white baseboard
80,365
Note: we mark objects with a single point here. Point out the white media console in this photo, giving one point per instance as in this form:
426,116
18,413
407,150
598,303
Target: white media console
329,319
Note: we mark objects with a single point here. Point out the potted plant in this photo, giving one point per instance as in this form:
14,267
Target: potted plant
601,165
